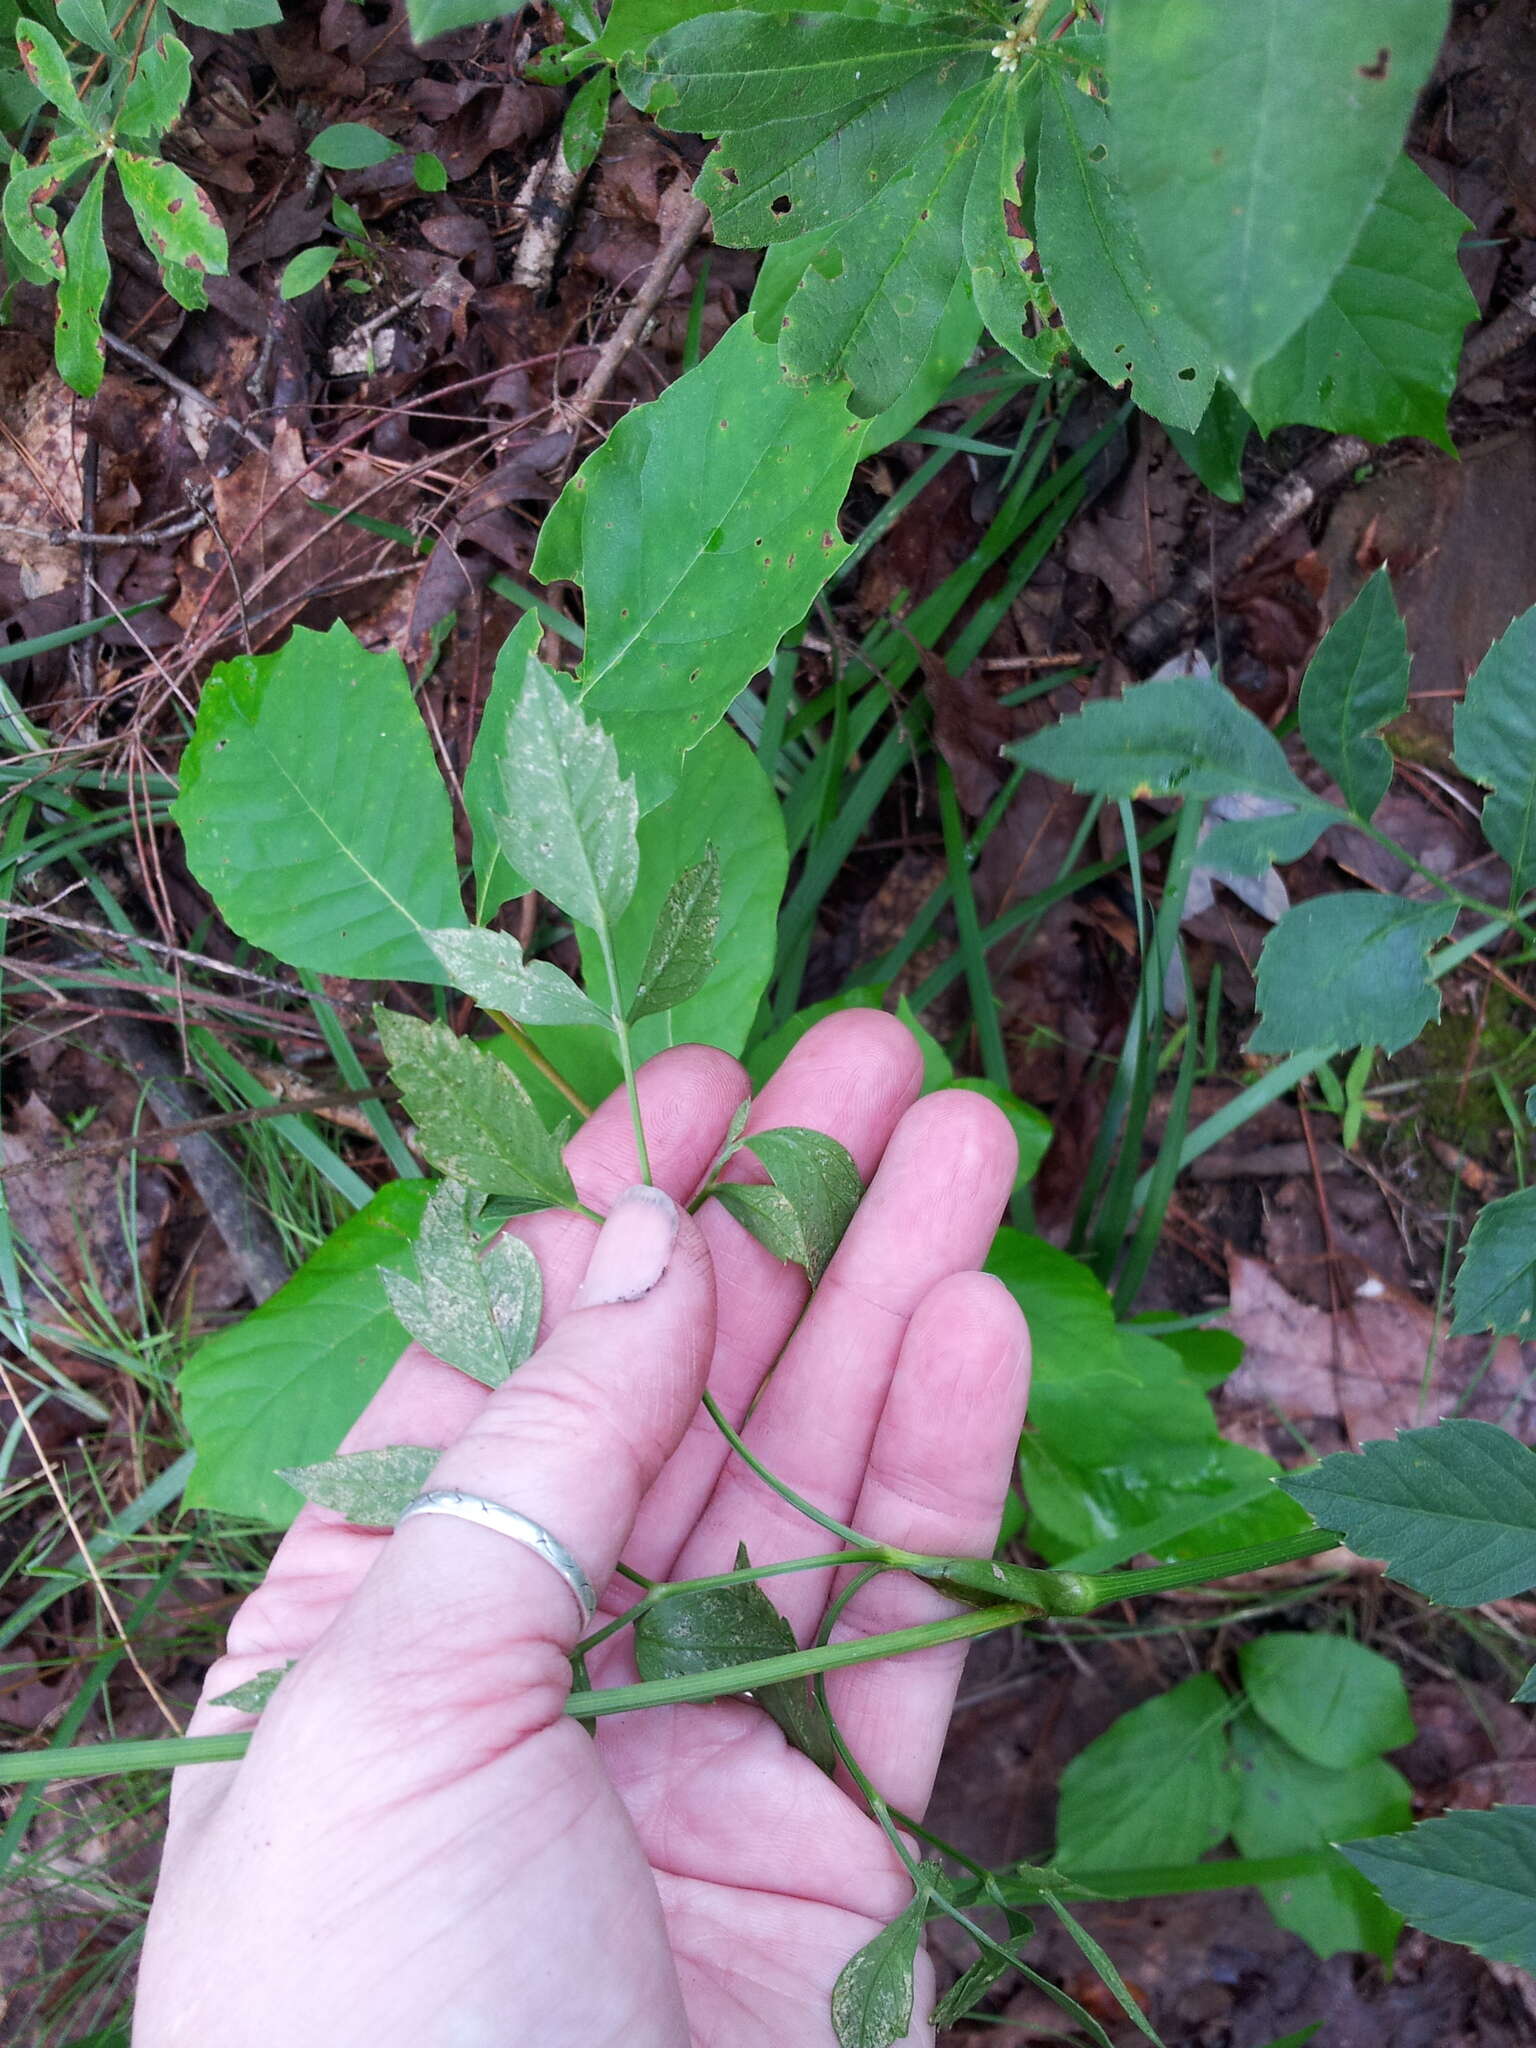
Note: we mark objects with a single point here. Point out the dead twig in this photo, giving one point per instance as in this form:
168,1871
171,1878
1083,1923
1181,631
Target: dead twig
679,239
550,208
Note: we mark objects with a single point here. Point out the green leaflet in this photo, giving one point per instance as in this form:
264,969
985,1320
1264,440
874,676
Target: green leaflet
372,1489
226,17
1496,1287
86,21
473,1117
873,1996
495,881
158,90
1350,969
1191,736
351,146
430,18
1466,1877
1496,746
476,1310
253,1696
568,817
1356,683
175,217
1119,318
1215,450
490,967
1451,1509
1253,141
48,68
1334,1701
78,347
284,1386
280,810
816,1188
1378,357
700,532
1015,305
681,954
1155,1787
586,122
303,272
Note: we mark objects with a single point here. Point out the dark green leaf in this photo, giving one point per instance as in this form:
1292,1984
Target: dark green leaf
586,120
158,90
1215,450
634,24
1496,746
78,346
48,68
303,272
473,1118
1356,683
372,1489
1155,1787
490,967
1452,1509
175,217
429,172
1496,1287
682,949
568,817
1121,321
1253,141
284,1386
478,1311
1465,1877
872,1998
816,1188
351,146
1333,1700
226,17
1349,969
251,1697
1378,357
1015,304
280,809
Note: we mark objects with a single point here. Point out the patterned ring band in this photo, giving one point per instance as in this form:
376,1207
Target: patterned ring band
469,1507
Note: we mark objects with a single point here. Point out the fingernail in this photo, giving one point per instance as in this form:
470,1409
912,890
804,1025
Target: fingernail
632,1249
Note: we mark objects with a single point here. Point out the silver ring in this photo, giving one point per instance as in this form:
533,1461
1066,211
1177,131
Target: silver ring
490,1514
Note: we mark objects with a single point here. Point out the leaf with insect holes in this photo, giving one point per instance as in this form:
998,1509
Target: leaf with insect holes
303,272
351,146
48,68
1015,305
174,216
1118,318
1356,683
1155,1787
158,90
568,817
78,347
1333,1700
1463,1877
1187,735
1349,969
372,1489
682,948
490,967
873,1996
228,17
473,1118
1451,1509
1253,141
281,814
253,1696
803,1215
1495,745
475,1310
1496,1287
586,121
719,1626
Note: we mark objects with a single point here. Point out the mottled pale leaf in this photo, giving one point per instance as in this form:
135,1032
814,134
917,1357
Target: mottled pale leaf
1349,969
816,1188
78,346
478,1311
1496,746
682,948
490,967
175,217
158,90
251,1697
1356,683
1464,1877
872,1998
568,817
1496,1287
1155,1787
1335,1701
372,1489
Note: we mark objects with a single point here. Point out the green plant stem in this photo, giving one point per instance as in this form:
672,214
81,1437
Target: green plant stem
626,1050
786,1493
747,1575
538,1062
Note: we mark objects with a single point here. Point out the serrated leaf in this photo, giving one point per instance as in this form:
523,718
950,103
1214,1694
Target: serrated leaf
281,813
1334,1701
816,1188
586,121
477,1311
682,949
1349,969
1287,1804
158,89
175,217
48,68
1464,1877
78,347
490,967
254,1695
1451,1509
1496,1287
1356,683
303,272
372,1489
1187,735
741,477
1155,1787
1015,304
1118,318
872,1998
1378,357
285,1385
228,17
351,146
1496,745
473,1118
1253,142
568,817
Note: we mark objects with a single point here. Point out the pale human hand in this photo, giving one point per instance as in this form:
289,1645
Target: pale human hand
420,1848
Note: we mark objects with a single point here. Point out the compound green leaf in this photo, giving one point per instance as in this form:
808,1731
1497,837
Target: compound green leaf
1121,321
158,90
490,967
372,1489
681,954
873,1996
1349,969
1451,1509
48,68
351,146
475,1310
473,1117
1253,141
1496,746
175,217
1356,683
1155,1787
227,17
1464,1877
1190,736
1378,357
283,817
1015,303
1496,1287
700,532
1287,1803
78,347
1333,1700
284,1386
803,1215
